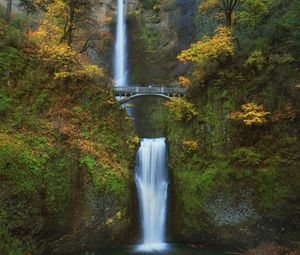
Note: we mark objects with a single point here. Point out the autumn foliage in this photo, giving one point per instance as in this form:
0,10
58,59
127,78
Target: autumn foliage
251,114
56,53
208,4
181,110
184,81
209,48
190,145
287,112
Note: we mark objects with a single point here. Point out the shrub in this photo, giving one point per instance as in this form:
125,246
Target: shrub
13,37
11,61
246,156
149,4
5,103
18,165
181,110
251,114
256,60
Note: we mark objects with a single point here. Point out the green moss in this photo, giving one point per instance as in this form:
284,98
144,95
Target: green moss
149,4
20,167
12,62
5,103
104,177
9,244
247,157
58,179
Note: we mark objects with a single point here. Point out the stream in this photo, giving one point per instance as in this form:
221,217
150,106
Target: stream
174,249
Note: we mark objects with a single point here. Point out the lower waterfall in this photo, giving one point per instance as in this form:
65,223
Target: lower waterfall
152,183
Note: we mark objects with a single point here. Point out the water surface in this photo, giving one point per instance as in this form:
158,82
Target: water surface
173,250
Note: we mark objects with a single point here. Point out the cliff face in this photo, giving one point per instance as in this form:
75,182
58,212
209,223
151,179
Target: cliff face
65,168
157,31
235,183
67,154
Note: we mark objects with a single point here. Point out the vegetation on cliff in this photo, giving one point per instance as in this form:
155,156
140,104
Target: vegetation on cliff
66,147
239,153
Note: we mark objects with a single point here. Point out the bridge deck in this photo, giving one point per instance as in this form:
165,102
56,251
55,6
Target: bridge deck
137,90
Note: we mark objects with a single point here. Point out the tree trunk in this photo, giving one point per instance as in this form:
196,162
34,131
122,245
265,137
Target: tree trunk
8,11
229,18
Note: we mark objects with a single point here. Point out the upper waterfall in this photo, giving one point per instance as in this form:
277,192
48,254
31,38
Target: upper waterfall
120,54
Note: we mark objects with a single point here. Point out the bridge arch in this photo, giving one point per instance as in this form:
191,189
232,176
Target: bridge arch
127,99
129,93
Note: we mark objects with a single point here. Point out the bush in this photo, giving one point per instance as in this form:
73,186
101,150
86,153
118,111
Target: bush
104,177
181,110
13,37
11,62
246,156
18,165
149,4
5,104
256,60
9,245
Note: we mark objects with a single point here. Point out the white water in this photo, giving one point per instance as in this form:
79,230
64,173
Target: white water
152,182
120,55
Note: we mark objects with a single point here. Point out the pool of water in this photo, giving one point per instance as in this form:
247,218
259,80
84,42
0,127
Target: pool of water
172,250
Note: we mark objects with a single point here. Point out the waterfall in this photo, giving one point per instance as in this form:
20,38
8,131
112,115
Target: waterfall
152,182
120,72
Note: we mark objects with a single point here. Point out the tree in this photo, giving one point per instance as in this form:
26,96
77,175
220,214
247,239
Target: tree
53,40
209,48
8,11
181,110
227,7
76,13
251,114
252,12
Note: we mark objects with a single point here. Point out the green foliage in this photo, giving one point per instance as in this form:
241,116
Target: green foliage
9,244
149,4
275,191
13,37
88,161
19,166
12,63
246,156
57,177
41,100
256,60
103,176
5,103
253,12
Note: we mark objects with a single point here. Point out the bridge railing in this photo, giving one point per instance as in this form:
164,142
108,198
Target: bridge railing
150,90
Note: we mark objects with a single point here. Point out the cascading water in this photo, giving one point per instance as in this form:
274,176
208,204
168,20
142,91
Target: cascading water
151,171
120,56
152,182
